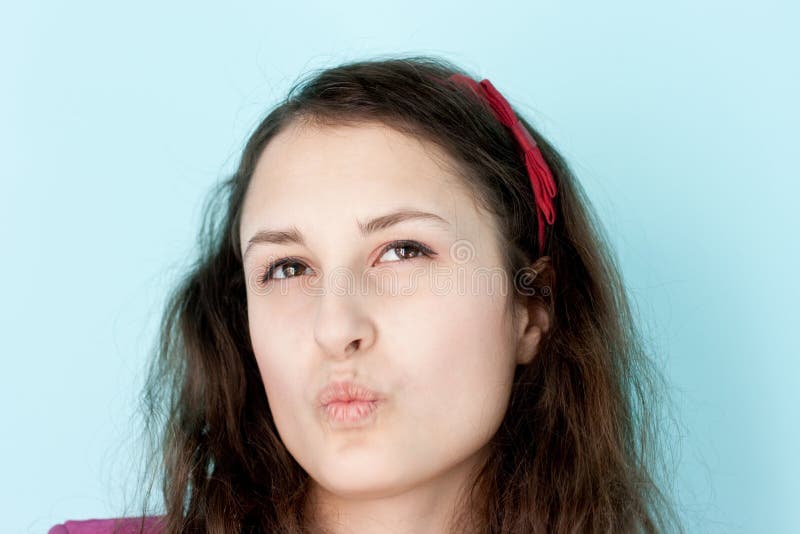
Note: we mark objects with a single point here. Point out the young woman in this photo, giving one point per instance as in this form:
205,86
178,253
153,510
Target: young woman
404,318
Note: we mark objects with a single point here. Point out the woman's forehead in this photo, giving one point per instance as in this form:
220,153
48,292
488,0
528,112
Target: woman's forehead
325,174
371,153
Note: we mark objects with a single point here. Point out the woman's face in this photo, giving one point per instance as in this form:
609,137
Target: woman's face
429,334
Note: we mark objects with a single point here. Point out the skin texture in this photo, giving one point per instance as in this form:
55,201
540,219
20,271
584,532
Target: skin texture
443,357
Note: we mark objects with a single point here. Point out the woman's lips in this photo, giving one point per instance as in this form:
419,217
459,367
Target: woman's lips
348,404
352,414
345,391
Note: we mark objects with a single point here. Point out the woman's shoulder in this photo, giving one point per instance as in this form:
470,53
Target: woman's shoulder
114,525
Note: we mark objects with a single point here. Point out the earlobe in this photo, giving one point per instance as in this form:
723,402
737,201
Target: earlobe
536,322
533,312
529,345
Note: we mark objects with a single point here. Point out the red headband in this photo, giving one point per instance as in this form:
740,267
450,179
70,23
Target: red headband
544,185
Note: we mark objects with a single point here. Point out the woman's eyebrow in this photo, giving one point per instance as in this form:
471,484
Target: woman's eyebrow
293,235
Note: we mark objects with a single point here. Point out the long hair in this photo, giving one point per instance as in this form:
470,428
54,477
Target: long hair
578,449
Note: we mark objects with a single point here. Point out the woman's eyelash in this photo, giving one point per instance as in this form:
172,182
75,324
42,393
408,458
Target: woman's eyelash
401,244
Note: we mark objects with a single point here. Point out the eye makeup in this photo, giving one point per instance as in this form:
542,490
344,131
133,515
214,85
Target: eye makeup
419,250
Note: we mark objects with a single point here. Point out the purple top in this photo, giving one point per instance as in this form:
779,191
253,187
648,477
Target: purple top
124,525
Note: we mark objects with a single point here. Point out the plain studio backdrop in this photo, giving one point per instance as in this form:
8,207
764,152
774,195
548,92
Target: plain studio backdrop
680,120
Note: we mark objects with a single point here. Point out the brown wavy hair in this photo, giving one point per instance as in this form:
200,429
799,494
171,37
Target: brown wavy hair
579,449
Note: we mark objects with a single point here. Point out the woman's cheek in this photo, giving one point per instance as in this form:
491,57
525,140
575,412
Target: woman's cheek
278,335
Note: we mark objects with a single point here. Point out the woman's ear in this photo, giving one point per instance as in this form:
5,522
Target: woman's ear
534,309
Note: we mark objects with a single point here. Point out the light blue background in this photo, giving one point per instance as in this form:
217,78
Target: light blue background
680,119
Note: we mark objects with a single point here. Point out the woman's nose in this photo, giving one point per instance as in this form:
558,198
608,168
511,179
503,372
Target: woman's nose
342,323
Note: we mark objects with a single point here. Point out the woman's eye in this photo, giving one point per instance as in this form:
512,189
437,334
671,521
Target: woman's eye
288,267
408,250
291,267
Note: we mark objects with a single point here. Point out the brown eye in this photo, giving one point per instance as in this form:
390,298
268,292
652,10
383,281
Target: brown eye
288,267
407,250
